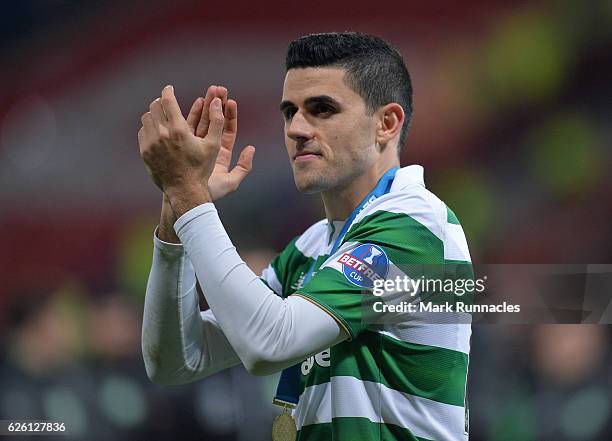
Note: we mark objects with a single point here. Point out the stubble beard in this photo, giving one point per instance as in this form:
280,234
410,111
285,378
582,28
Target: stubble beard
318,181
310,182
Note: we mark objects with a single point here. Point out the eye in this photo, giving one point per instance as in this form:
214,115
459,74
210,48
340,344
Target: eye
323,110
289,112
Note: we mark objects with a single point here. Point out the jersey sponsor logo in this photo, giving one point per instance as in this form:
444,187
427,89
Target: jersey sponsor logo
322,359
364,265
299,283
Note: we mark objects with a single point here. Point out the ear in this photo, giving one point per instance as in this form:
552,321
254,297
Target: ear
390,121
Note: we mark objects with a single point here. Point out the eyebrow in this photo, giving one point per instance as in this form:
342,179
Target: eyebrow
319,99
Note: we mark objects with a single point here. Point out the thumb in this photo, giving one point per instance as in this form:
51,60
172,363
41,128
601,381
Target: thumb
215,129
243,166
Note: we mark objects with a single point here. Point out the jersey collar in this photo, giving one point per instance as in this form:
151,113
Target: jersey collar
404,177
333,230
408,176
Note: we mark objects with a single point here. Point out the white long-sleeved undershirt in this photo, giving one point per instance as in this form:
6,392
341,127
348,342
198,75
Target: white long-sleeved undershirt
247,322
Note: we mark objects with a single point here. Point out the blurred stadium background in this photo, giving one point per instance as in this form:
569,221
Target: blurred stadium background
512,122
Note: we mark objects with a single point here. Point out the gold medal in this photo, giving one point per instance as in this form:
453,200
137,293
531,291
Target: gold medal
284,428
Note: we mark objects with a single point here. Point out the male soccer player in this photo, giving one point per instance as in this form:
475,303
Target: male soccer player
347,107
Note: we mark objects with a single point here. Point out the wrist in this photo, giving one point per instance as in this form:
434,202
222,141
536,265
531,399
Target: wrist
165,232
185,197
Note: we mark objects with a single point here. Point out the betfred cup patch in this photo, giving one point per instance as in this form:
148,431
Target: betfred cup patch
365,264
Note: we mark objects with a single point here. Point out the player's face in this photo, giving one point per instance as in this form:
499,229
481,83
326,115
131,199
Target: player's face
329,135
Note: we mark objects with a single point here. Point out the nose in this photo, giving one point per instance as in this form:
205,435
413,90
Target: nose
298,128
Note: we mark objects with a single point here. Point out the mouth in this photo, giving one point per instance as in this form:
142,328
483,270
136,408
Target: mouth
305,155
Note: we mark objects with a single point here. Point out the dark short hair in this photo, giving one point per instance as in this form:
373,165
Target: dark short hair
374,69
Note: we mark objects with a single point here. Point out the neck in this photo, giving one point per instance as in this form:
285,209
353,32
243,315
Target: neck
340,201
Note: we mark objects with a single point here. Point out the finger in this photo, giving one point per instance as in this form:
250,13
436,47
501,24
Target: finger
215,128
171,106
148,124
243,166
146,132
222,93
202,128
230,127
142,137
159,117
194,114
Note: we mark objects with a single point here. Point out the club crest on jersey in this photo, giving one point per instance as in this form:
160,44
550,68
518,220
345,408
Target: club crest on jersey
365,264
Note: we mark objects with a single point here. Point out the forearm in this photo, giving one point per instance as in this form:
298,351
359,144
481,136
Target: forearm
267,332
179,344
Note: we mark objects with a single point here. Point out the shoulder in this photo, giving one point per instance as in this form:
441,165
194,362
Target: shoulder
415,202
311,241
413,214
298,252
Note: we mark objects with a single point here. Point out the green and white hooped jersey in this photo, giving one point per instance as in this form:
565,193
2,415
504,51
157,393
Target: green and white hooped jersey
399,381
